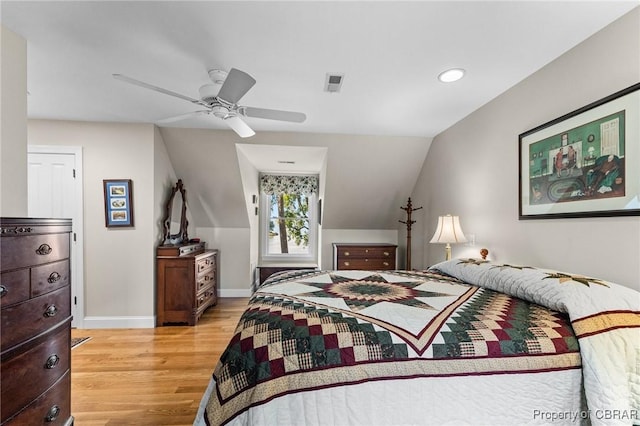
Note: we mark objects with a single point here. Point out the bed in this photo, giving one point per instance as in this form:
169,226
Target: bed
465,342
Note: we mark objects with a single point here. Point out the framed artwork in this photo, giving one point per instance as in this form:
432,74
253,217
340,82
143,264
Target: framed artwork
587,162
118,209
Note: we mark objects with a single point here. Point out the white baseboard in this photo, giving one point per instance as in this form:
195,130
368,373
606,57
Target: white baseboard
148,322
234,292
119,322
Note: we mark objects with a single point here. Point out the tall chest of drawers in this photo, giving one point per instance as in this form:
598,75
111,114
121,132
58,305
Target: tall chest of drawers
187,283
35,303
367,256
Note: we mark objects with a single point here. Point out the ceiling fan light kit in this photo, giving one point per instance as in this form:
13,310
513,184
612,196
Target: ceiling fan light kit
221,102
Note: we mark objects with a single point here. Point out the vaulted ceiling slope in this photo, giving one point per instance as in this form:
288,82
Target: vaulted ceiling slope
368,178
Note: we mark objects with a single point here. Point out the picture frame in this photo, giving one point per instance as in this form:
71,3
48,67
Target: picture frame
118,207
585,163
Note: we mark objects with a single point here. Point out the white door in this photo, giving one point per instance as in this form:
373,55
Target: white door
53,191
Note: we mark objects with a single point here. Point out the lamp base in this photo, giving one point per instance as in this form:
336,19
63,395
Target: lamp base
447,252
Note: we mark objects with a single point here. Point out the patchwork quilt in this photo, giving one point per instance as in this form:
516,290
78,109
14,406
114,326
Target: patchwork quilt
516,339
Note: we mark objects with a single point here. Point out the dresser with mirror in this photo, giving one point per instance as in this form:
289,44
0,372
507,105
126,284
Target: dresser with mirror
187,272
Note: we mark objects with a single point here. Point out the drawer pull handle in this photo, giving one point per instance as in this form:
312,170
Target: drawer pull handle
386,253
52,361
44,249
346,253
385,263
346,263
3,291
54,277
52,414
51,311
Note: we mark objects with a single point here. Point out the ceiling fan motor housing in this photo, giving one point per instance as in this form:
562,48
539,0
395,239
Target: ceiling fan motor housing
208,93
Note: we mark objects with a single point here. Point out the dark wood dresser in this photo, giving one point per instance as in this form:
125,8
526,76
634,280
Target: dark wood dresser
35,302
267,271
187,283
367,256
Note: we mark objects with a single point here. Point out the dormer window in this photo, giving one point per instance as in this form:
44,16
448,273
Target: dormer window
288,219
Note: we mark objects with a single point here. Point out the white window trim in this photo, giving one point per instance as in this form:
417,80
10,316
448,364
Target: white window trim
289,258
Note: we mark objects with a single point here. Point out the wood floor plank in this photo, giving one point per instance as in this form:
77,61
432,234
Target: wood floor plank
148,376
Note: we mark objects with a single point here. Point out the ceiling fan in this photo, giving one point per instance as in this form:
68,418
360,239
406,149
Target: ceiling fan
223,103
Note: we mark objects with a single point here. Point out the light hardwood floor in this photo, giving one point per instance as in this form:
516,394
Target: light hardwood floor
149,376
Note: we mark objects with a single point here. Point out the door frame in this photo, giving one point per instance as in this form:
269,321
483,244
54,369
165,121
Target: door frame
77,234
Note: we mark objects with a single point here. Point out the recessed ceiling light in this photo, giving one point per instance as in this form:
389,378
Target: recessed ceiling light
451,75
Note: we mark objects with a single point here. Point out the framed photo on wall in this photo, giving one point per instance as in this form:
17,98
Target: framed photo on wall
118,208
585,163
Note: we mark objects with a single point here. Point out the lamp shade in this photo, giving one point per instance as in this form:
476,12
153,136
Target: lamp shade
448,230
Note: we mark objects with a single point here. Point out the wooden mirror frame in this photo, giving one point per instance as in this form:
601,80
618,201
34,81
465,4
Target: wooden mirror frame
181,237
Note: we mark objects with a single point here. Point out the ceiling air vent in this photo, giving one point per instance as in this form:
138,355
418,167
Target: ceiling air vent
333,83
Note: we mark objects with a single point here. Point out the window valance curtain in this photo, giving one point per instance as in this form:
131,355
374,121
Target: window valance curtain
283,184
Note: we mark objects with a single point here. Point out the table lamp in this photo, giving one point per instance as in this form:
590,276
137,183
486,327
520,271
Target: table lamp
448,231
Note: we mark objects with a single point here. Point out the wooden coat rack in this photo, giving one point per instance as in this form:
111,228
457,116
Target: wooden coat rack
409,209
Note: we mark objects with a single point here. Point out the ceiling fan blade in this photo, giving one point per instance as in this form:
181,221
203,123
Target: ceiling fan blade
273,114
240,127
130,80
235,86
183,116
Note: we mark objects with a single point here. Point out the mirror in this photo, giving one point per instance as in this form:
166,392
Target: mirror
175,221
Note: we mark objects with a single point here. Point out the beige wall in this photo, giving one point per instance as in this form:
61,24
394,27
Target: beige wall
119,263
13,124
472,168
164,179
250,178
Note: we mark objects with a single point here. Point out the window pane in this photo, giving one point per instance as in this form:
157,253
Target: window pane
289,205
288,224
288,236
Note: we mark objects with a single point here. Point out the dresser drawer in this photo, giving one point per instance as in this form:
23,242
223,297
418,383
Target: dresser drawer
34,371
366,264
28,319
205,281
53,408
34,250
46,278
14,287
205,298
205,264
366,252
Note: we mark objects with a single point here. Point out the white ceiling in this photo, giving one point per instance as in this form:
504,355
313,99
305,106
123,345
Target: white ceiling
390,53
